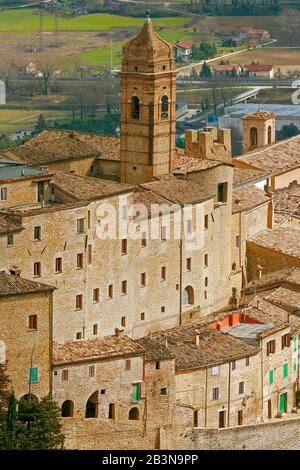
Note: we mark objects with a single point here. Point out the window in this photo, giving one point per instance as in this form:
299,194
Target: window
285,371
110,293
163,273
67,409
157,365
143,279
79,261
79,302
10,240
165,107
32,322
143,239
124,287
127,364
271,347
78,335
37,269
91,407
233,365
206,260
124,247
89,219
253,136
41,190
136,392
135,108
80,226
195,419
295,364
247,361
295,343
96,295
162,309
64,375
163,233
206,281
240,417
205,295
241,388
269,134
33,375
271,377
285,341
95,329
3,194
134,414
188,296
163,391
189,264
206,221
91,371
215,370
222,192
215,394
89,256
58,265
123,322
37,233
233,267
142,316
189,227
111,411
103,392
237,241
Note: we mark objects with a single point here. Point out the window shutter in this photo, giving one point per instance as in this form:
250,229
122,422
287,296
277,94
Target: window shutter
33,374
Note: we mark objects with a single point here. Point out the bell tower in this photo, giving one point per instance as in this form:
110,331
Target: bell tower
258,130
148,107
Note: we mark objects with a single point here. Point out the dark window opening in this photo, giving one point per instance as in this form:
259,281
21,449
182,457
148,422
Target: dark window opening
91,409
135,108
67,409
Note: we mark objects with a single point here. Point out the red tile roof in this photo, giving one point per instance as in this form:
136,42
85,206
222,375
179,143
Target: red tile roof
258,68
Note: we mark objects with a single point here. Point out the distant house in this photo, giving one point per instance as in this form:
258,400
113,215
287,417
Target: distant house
226,70
258,35
22,134
183,50
233,41
259,71
181,108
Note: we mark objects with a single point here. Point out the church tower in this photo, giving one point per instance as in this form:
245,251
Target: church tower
148,107
258,130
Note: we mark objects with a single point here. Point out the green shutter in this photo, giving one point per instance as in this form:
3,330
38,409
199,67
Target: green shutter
295,364
282,403
136,392
285,370
271,377
33,374
295,343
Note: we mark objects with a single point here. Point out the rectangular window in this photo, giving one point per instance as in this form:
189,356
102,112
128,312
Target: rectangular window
206,281
222,192
41,190
205,294
162,309
163,273
10,240
142,316
295,343
143,279
37,233
164,391
215,370
89,219
136,392
295,364
80,261
95,329
241,388
79,302
206,221
110,292
285,371
123,322
215,394
163,233
237,241
64,375
89,254
143,239
124,287
91,371
78,335
189,264
3,194
32,322
127,364
96,295
233,365
37,269
285,341
271,347
247,361
58,265
124,246
157,365
206,260
240,417
271,377
33,375
80,225
189,227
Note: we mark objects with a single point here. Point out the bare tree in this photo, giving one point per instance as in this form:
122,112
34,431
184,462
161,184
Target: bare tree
289,21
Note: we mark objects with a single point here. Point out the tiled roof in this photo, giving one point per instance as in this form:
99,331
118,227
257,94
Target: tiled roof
15,285
149,198
187,164
95,349
179,191
244,199
10,224
283,240
155,350
286,203
85,188
258,68
290,276
264,311
286,299
259,114
276,158
245,176
184,44
225,68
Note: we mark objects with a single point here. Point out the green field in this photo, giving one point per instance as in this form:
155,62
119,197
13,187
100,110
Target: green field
27,21
12,120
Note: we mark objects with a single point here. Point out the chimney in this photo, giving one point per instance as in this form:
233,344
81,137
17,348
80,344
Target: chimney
117,332
197,337
259,271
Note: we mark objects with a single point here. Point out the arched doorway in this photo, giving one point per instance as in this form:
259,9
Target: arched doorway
91,408
188,297
134,414
67,409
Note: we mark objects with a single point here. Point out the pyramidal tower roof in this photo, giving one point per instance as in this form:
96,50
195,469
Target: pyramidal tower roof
147,52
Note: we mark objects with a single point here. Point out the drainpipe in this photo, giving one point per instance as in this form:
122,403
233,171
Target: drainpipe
180,262
229,393
205,405
262,377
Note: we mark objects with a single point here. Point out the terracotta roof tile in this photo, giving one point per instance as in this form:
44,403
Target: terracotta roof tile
286,203
244,199
186,164
246,176
259,114
10,224
15,285
283,240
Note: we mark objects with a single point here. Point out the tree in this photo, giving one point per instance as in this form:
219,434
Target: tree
289,21
206,70
41,123
288,130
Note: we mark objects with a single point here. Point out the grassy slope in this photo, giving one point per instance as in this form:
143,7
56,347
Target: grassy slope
12,120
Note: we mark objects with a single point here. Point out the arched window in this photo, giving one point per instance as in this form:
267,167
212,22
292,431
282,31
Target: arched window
253,136
26,407
234,267
112,411
30,398
67,409
269,134
135,107
165,107
134,414
188,296
91,409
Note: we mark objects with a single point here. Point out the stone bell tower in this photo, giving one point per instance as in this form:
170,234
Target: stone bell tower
258,130
148,107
